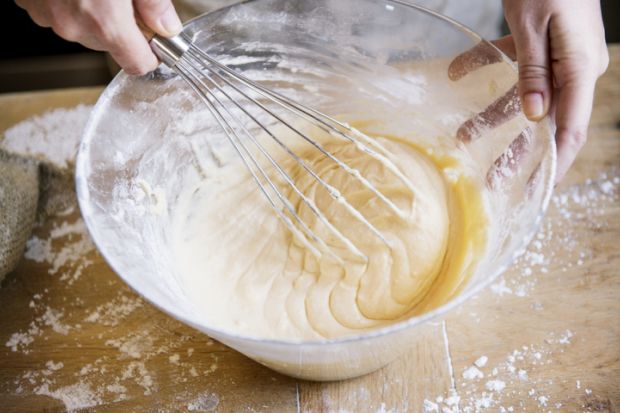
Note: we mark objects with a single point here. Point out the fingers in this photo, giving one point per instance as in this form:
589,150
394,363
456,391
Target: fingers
503,109
108,26
131,51
535,84
480,55
37,10
160,16
507,45
112,27
508,163
574,108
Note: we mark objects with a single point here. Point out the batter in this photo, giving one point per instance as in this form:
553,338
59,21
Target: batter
249,275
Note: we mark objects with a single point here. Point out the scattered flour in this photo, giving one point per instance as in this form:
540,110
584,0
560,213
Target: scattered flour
71,256
75,396
54,366
481,362
48,136
495,385
174,359
472,373
20,340
134,345
556,237
64,250
207,402
138,371
113,312
51,318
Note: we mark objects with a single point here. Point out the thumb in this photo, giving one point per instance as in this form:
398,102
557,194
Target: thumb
159,16
535,83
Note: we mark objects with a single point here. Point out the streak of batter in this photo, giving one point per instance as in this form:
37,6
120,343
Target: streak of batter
248,275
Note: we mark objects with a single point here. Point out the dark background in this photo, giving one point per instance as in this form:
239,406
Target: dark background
33,57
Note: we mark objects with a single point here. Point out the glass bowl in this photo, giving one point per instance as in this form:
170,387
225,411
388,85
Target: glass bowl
345,57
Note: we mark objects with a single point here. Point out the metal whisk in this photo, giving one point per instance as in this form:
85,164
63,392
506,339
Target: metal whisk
229,97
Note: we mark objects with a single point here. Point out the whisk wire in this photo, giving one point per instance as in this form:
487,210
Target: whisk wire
309,202
334,193
245,154
197,68
307,113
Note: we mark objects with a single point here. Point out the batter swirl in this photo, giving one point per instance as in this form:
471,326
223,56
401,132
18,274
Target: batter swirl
247,274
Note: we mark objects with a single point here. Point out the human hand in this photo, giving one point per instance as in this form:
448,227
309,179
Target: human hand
560,48
108,25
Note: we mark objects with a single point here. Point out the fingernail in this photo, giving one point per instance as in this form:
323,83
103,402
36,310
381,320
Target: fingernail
533,105
170,22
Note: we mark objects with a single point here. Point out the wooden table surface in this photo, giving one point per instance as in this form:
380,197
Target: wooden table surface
78,339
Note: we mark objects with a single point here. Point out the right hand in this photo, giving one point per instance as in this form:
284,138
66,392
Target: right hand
108,25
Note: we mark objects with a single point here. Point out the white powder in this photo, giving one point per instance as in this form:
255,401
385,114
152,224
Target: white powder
69,260
54,136
75,396
500,288
20,340
472,373
508,377
481,362
113,312
38,249
430,407
119,390
52,317
495,385
542,401
138,371
174,359
206,402
54,366
557,237
133,345
565,338
580,202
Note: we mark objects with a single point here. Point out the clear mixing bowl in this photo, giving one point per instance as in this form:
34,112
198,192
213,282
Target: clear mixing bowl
344,57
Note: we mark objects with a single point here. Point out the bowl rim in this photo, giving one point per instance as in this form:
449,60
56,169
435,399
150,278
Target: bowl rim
82,189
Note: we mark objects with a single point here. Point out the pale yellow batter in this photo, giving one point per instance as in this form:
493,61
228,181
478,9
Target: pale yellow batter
249,275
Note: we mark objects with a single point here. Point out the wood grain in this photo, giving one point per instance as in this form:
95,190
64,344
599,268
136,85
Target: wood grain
560,322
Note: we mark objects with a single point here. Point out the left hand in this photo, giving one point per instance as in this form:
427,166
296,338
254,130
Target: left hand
561,52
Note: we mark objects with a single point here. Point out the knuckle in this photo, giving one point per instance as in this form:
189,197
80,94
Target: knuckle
67,31
100,23
531,71
108,32
153,6
89,9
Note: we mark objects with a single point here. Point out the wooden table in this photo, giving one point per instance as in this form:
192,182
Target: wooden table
550,328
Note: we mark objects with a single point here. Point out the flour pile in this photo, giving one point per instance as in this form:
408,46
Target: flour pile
35,175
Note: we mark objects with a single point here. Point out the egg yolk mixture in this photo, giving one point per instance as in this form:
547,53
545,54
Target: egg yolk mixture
248,274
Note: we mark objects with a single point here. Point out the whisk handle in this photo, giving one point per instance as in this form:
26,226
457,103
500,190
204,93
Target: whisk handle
168,50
